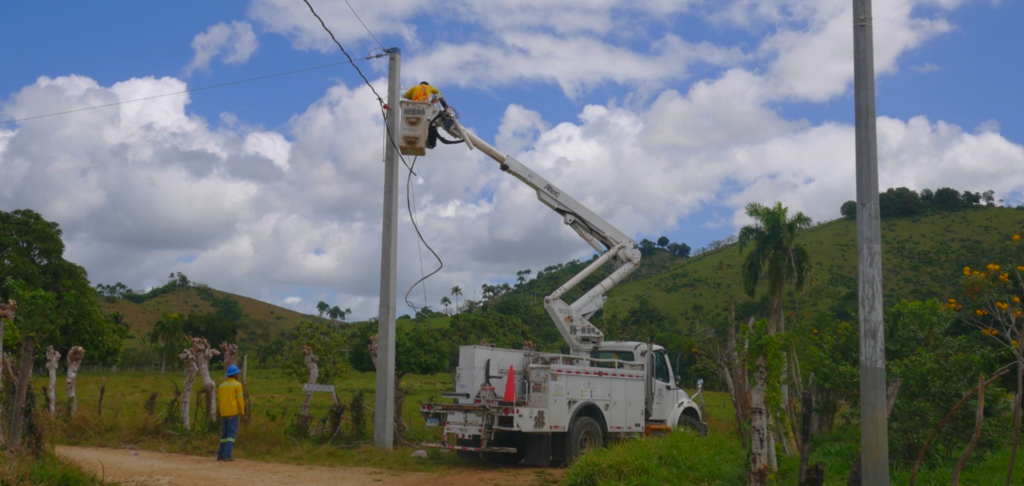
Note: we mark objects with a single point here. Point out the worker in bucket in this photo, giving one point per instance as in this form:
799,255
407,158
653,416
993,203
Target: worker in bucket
231,406
425,92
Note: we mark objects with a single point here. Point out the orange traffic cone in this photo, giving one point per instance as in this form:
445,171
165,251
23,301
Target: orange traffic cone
510,386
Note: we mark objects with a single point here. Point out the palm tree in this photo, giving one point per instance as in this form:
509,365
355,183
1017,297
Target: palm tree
335,313
456,292
166,333
322,308
445,301
527,272
775,255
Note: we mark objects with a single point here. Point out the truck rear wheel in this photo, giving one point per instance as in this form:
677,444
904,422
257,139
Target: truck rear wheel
584,435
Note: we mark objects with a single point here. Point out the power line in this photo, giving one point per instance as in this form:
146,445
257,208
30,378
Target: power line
364,25
192,90
360,71
391,139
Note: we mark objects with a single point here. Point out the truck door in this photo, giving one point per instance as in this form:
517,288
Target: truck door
664,397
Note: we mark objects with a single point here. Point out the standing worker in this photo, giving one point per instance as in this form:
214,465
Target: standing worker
231,407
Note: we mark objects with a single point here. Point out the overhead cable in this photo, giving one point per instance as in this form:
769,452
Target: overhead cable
360,71
364,25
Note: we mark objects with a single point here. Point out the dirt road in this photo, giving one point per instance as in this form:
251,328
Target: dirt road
148,468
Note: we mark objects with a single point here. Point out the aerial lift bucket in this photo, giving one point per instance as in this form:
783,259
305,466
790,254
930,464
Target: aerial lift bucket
413,129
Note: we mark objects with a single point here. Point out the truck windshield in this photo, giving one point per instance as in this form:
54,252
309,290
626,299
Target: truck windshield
606,354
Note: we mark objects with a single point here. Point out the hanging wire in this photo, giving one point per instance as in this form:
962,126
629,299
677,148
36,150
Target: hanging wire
364,25
415,225
343,51
391,139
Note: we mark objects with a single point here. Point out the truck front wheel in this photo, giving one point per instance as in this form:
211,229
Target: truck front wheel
584,435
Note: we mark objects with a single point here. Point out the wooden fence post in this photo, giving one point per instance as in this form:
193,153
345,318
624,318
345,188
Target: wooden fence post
24,380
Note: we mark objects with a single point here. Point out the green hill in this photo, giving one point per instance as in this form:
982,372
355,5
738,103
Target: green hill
184,300
922,259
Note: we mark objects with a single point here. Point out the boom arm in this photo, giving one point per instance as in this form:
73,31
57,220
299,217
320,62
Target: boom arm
612,244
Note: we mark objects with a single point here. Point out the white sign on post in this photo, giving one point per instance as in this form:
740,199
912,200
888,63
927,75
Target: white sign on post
312,387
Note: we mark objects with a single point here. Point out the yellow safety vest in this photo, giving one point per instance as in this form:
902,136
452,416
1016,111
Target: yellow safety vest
421,92
230,401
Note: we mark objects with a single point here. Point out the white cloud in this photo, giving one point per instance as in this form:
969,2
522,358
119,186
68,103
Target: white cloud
279,215
574,64
235,41
293,215
294,20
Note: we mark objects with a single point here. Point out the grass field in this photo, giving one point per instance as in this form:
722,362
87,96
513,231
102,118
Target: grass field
681,458
276,400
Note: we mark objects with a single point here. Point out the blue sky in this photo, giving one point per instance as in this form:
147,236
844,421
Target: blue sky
667,117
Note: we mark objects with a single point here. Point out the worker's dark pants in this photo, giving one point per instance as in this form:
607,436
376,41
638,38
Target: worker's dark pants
229,429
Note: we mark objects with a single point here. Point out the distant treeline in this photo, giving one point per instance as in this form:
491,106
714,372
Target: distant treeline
900,202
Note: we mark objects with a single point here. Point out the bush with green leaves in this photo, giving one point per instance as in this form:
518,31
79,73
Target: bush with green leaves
924,348
329,344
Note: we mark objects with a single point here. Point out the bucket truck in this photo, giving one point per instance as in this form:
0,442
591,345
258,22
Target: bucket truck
546,408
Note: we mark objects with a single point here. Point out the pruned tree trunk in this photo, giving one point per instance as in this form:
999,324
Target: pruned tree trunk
806,407
740,390
399,429
75,356
52,362
314,371
188,359
103,392
759,433
373,349
230,352
979,419
949,415
203,352
24,380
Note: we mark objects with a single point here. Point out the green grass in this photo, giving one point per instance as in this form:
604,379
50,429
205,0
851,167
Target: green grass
720,459
679,458
276,401
48,470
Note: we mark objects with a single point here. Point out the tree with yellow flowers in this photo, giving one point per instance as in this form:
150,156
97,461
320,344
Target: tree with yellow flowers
992,303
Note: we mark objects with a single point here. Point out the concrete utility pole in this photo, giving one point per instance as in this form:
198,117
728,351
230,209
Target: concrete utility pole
384,411
873,417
